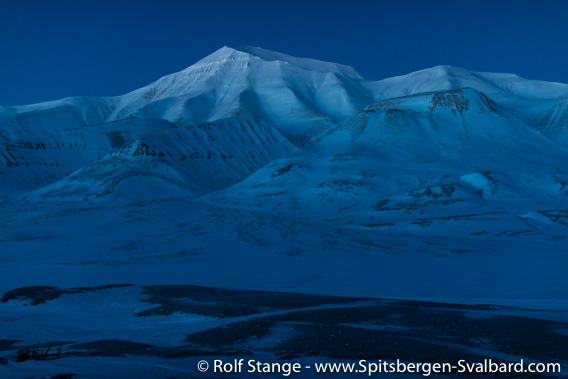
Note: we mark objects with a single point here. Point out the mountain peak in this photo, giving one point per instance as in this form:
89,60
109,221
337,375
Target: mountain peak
440,72
252,52
218,56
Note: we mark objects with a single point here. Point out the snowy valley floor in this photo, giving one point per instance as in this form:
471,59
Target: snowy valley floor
149,289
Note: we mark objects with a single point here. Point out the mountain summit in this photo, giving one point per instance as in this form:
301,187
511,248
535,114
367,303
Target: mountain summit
275,86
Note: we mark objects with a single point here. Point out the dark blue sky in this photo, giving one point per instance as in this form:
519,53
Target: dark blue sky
54,49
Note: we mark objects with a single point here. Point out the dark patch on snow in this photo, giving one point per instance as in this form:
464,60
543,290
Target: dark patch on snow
36,294
204,301
466,217
7,344
461,251
378,224
422,334
271,194
231,334
453,100
104,287
407,330
169,306
284,170
558,216
41,294
116,139
63,376
114,348
341,185
254,299
481,233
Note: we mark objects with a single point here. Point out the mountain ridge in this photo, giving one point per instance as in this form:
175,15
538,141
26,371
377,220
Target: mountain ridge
304,100
445,72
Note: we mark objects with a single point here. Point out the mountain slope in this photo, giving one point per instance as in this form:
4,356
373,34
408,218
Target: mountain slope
439,153
500,87
548,116
33,162
17,122
187,161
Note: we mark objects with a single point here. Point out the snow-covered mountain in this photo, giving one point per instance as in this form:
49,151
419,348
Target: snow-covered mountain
255,170
434,154
299,99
